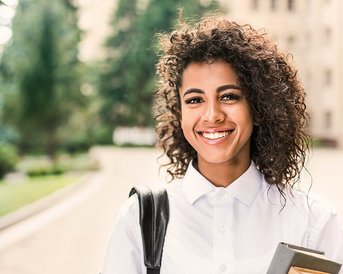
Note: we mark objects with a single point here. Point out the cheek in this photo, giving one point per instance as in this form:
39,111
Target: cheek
245,116
248,118
185,125
243,119
249,124
185,118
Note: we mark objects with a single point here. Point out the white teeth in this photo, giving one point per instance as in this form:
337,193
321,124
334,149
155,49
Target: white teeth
215,135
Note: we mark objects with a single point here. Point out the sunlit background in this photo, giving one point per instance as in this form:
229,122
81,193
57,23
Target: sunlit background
76,129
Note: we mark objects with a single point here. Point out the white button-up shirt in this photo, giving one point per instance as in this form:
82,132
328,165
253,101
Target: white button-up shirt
234,229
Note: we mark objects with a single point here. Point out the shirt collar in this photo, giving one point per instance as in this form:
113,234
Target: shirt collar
244,188
194,184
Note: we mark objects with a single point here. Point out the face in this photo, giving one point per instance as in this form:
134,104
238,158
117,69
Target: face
215,115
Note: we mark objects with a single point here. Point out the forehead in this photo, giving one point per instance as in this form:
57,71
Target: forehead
204,74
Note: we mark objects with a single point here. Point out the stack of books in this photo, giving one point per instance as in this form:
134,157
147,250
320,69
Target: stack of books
300,270
292,259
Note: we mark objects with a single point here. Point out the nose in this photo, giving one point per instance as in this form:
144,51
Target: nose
213,112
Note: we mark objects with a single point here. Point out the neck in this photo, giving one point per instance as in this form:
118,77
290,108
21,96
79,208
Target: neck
223,174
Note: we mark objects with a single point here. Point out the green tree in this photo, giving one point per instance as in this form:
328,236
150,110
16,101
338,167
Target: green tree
127,82
6,133
43,71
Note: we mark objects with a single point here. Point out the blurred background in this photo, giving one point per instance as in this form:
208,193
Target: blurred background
76,130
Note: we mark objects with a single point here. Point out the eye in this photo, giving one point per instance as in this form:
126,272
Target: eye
230,97
194,100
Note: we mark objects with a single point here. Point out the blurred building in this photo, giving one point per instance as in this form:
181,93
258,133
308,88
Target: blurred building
312,31
94,19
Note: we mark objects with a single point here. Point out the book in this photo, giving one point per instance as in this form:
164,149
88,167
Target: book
287,255
300,270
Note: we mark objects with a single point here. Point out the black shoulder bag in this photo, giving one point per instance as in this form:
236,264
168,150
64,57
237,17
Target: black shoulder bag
153,219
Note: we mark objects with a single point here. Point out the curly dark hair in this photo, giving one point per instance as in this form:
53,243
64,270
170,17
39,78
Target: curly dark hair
279,141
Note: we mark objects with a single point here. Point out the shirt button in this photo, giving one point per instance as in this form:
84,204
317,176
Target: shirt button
225,196
223,268
222,228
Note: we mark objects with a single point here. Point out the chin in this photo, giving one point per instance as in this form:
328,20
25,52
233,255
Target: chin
216,159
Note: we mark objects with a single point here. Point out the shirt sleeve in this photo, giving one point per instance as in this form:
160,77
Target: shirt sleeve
326,232
124,252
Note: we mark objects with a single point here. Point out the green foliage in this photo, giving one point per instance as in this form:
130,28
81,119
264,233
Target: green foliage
84,128
7,134
41,73
8,158
127,81
45,170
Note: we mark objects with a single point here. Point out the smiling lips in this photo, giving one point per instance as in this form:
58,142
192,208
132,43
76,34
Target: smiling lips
215,135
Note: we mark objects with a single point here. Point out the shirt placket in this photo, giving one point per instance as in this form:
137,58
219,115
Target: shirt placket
223,233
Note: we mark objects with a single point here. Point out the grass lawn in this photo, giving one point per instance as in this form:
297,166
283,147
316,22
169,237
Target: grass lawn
16,195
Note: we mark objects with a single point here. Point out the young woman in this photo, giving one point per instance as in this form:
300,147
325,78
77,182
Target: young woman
231,118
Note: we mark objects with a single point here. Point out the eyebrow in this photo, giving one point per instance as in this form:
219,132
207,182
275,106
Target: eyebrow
219,89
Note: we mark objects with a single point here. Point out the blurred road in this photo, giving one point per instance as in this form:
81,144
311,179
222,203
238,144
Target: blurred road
71,236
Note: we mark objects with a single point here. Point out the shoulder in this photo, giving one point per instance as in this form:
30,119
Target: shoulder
324,224
129,210
124,252
128,213
309,204
314,205
323,219
325,228
174,188
320,207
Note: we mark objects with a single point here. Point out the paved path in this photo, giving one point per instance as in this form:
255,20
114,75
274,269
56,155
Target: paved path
71,237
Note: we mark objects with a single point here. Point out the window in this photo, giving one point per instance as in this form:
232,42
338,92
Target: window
309,5
327,36
308,39
328,119
290,42
255,4
273,4
328,77
308,79
291,5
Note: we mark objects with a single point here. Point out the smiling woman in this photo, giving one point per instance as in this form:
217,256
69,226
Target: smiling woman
216,120
231,119
266,80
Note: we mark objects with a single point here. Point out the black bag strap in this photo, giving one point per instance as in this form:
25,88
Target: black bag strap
153,219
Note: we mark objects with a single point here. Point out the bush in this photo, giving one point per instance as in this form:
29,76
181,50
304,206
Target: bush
8,158
42,165
45,170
